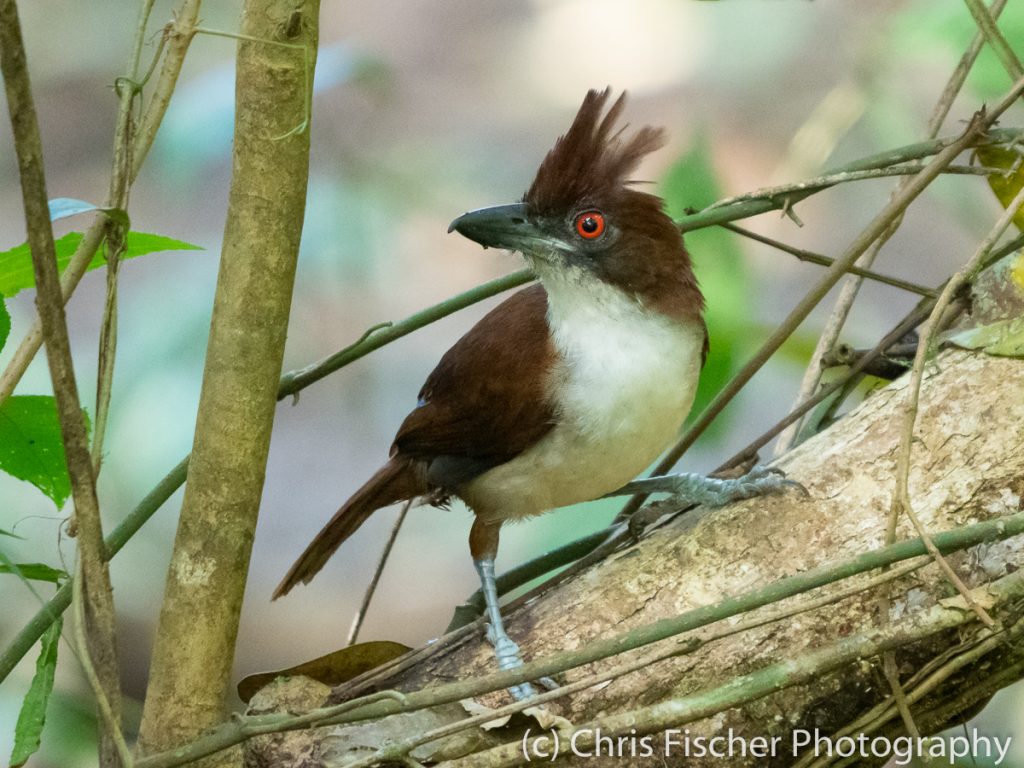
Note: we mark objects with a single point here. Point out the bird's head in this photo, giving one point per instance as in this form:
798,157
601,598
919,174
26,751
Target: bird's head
582,217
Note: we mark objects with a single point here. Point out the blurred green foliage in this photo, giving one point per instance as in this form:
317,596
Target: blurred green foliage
945,29
691,184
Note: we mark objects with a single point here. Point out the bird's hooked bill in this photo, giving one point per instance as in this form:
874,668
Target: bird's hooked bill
500,226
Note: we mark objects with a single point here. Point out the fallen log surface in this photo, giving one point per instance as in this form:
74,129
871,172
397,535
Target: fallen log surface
968,467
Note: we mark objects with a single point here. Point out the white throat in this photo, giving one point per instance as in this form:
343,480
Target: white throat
623,385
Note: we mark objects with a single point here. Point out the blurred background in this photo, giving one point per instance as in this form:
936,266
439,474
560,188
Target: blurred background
421,111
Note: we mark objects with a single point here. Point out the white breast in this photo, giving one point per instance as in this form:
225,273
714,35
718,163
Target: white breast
624,386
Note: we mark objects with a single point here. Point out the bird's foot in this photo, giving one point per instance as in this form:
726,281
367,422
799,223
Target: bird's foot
507,654
691,488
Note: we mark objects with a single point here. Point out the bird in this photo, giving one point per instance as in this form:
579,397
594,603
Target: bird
569,388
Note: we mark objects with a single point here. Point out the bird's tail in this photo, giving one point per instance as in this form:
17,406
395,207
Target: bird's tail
398,480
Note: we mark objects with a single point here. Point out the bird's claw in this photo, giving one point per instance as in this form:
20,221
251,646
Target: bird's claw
507,654
761,479
691,488
547,683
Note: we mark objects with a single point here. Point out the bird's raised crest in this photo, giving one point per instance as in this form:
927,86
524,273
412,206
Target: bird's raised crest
592,159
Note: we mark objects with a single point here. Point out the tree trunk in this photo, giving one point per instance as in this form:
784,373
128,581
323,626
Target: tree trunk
194,650
968,466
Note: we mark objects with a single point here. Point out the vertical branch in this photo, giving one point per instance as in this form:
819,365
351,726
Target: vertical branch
179,34
127,88
98,602
194,649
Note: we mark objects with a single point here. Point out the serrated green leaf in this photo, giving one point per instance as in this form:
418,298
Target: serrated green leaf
35,572
62,207
1004,338
16,264
32,717
31,447
5,323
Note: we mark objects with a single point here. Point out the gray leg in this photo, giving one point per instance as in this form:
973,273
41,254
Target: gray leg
696,489
506,651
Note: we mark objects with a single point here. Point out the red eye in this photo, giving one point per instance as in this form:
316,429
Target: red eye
590,225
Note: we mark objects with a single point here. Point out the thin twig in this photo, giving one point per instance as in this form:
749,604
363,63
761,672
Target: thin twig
178,34
373,339
744,209
986,23
785,192
825,261
959,76
357,621
81,646
69,279
117,197
892,677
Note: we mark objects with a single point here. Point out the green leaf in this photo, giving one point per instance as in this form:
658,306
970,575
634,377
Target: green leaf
35,572
1004,338
29,730
31,447
5,323
16,264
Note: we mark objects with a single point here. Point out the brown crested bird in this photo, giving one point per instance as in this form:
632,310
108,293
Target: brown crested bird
569,388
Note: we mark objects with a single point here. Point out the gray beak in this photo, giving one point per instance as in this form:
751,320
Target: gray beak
502,226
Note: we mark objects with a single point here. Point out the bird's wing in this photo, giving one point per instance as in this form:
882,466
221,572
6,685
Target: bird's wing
487,400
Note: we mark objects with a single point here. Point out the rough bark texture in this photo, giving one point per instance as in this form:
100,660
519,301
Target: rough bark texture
968,466
199,618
